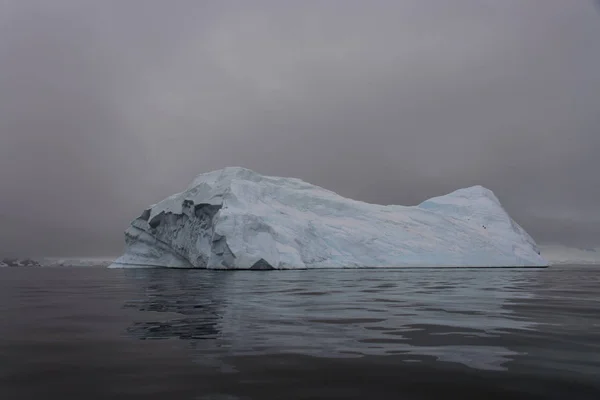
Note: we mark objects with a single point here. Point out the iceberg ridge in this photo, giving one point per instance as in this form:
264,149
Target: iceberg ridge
235,218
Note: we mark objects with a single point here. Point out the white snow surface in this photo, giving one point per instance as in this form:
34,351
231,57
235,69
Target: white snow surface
235,218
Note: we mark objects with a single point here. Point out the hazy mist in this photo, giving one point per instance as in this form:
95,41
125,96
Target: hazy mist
109,106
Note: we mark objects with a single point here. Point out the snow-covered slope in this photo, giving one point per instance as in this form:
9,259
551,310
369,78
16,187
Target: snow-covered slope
237,218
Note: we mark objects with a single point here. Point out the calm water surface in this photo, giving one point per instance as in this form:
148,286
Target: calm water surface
94,333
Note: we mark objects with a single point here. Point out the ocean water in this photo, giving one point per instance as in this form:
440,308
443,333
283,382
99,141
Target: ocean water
96,333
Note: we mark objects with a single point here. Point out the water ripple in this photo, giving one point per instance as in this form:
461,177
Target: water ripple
485,319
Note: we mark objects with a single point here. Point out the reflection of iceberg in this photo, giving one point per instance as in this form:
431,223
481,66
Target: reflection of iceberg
479,357
454,316
237,219
187,308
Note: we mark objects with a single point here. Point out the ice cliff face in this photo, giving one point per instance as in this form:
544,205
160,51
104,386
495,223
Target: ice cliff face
235,218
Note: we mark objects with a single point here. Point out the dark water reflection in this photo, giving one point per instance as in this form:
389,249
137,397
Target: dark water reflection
94,333
484,319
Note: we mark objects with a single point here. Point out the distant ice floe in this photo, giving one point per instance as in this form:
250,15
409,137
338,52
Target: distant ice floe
559,254
77,262
17,262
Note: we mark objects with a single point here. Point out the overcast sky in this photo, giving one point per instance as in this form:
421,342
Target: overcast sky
108,106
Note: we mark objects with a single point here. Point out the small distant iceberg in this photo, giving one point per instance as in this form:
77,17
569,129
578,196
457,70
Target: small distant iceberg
235,218
16,262
561,255
77,261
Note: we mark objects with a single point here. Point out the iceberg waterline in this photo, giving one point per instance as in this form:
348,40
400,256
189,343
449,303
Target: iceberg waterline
235,218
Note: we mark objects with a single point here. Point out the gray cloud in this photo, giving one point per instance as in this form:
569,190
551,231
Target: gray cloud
106,107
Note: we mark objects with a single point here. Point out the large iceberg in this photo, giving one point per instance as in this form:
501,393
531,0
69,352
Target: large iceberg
235,218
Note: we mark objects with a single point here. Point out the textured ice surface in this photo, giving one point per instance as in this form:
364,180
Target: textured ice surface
235,218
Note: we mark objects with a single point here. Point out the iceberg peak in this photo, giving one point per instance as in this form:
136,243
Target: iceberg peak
235,218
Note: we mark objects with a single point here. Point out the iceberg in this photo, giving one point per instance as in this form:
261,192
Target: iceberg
16,262
77,261
560,254
235,218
